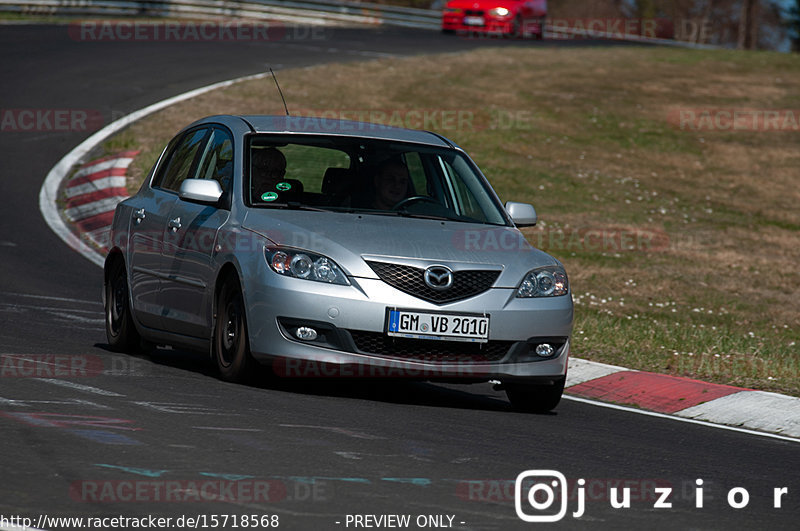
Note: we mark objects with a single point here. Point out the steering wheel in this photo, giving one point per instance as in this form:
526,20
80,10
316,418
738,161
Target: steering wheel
413,199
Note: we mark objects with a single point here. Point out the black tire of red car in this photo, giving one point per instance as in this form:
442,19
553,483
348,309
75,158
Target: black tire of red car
540,36
231,344
448,31
120,330
535,398
517,29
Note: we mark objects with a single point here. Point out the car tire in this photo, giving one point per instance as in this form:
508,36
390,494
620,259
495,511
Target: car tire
448,32
231,344
517,29
121,331
535,398
540,35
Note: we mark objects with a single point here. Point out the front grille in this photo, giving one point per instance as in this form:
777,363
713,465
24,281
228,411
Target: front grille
473,12
411,280
430,350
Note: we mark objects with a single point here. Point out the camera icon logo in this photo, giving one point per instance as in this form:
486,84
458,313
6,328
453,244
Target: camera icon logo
535,494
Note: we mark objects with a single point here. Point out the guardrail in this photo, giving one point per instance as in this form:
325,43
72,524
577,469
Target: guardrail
300,11
332,12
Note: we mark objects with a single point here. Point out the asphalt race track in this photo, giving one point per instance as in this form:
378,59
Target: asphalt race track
157,434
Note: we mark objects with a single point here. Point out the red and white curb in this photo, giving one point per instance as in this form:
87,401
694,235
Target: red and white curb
685,398
745,410
93,193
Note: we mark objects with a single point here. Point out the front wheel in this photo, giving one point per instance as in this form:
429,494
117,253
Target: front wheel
120,330
539,398
231,344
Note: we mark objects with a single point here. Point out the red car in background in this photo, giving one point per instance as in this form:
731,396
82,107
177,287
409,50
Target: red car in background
515,18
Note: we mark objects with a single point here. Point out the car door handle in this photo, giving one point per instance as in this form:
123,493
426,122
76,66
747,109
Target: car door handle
175,224
139,215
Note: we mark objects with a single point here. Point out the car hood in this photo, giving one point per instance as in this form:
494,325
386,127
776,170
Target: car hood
349,239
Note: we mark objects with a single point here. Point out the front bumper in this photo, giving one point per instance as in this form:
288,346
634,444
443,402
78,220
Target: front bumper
490,25
351,322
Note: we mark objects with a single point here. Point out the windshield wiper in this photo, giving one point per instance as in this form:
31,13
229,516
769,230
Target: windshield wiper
401,213
405,213
294,205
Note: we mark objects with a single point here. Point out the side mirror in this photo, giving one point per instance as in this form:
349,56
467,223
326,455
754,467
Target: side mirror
522,214
204,191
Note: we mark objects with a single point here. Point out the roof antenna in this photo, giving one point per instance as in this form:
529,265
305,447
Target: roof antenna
279,91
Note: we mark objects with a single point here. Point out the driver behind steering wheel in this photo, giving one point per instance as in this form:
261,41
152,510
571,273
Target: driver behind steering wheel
392,183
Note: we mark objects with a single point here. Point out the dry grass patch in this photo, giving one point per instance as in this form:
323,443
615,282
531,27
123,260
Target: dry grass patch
584,135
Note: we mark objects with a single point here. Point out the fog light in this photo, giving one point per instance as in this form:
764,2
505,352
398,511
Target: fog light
305,333
544,350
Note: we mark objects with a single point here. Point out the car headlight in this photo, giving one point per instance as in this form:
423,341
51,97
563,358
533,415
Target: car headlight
550,281
452,10
501,12
302,264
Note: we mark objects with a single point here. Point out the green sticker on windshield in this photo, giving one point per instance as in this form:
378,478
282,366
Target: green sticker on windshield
269,196
283,187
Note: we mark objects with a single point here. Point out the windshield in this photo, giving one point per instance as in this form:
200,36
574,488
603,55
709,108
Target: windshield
367,176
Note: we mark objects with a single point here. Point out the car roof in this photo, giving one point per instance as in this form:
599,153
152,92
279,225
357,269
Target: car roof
316,125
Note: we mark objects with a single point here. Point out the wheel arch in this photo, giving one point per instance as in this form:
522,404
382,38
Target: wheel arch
227,271
113,255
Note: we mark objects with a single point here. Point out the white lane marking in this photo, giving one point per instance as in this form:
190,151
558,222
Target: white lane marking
85,320
681,419
68,402
45,297
78,387
335,429
349,455
10,402
214,428
184,409
63,315
46,308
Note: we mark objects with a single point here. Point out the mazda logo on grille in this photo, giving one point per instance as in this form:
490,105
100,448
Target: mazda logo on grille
438,277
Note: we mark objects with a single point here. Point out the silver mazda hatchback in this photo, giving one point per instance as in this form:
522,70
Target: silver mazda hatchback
336,249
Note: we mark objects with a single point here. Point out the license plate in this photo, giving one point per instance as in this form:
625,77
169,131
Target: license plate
473,21
427,325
